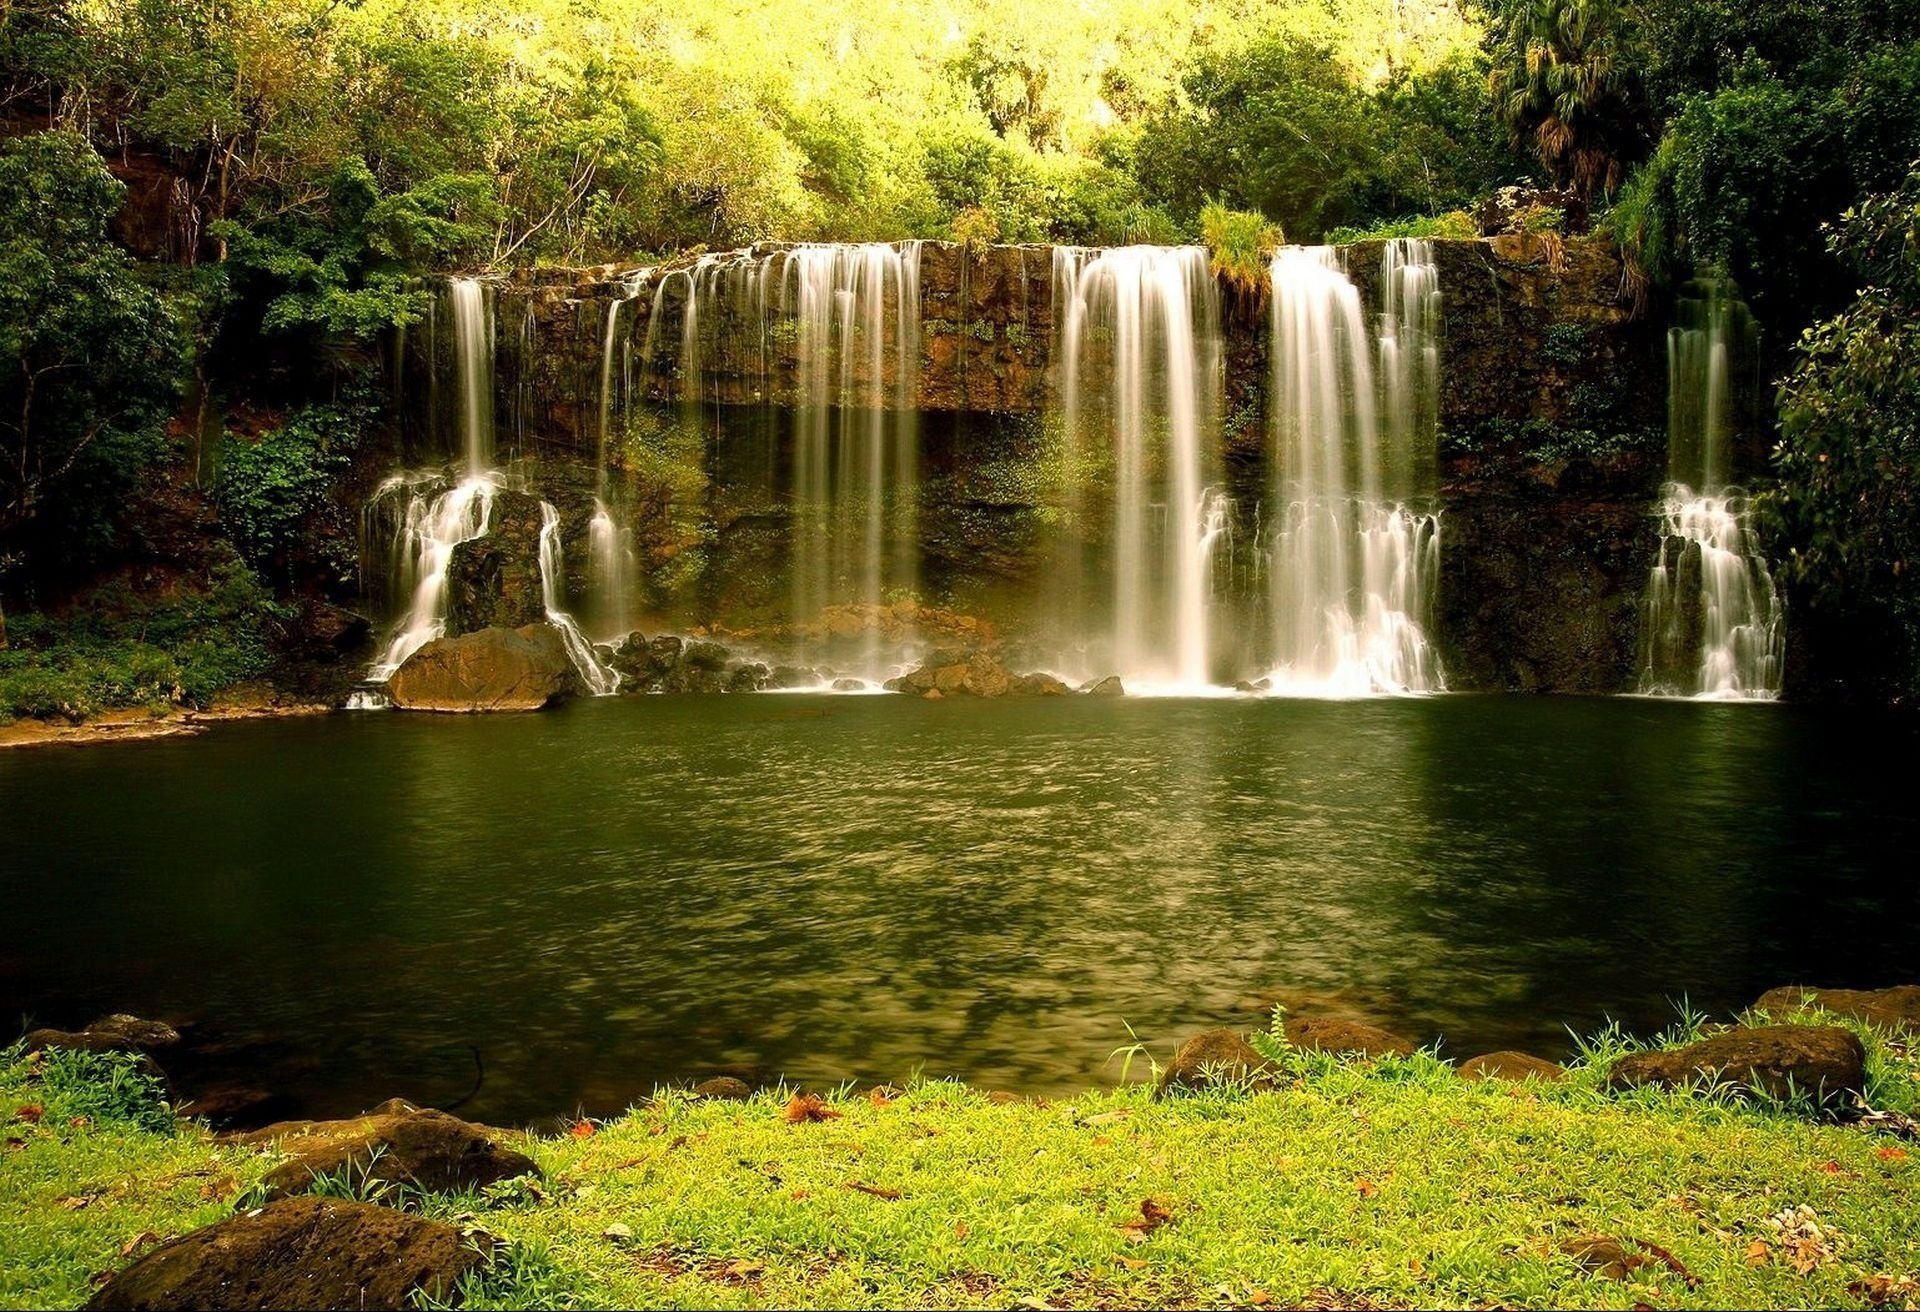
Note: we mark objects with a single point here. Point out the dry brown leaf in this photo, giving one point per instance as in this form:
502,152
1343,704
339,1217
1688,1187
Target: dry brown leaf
77,1202
882,1096
960,1230
30,1113
1879,1290
890,1195
582,1130
1259,1298
80,1122
1366,1187
1133,1263
1759,1253
1152,1216
138,1242
1890,1154
805,1107
1102,1140
745,1270
799,1195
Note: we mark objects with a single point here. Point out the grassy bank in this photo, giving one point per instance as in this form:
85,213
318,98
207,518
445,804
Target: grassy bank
1370,1184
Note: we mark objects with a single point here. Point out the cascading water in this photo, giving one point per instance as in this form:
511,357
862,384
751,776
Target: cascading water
610,557
854,312
1352,564
1712,623
600,679
436,519
1141,358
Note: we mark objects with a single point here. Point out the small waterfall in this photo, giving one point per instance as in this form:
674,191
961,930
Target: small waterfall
430,527
600,679
473,348
1713,624
1141,357
610,571
1353,566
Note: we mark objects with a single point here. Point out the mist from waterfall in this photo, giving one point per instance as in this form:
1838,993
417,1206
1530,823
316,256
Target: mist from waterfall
1140,373
1713,625
1353,559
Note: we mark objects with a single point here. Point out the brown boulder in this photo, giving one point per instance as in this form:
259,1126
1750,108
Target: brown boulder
1107,687
1821,1060
395,1143
1515,1066
1318,1034
1897,1008
1213,1057
116,1033
493,670
723,1088
301,1253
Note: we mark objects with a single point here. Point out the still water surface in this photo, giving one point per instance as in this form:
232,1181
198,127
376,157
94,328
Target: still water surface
627,891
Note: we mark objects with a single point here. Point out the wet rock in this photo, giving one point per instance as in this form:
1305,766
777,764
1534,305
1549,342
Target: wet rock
1824,1061
1507,1065
1039,684
396,1142
792,676
1213,1057
957,674
116,1033
493,670
322,631
493,581
1256,685
664,652
632,660
230,1104
750,677
849,685
1603,1256
707,656
1317,1034
299,1253
1896,1008
723,1088
1107,687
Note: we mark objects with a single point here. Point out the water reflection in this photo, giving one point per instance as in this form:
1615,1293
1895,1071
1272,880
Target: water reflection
626,891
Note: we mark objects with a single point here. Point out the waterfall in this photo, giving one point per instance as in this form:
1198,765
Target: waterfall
1352,564
852,314
430,526
610,560
473,345
1141,358
600,679
1713,624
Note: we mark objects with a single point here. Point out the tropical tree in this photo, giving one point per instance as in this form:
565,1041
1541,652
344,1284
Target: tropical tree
1565,82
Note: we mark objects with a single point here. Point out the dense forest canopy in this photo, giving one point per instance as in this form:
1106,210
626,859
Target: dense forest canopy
225,205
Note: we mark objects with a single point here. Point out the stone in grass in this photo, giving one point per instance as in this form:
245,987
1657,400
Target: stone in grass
1324,1035
301,1253
723,1088
1214,1057
395,1143
1823,1061
1897,1008
116,1033
1507,1065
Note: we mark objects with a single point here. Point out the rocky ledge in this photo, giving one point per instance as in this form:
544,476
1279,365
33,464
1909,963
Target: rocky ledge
492,669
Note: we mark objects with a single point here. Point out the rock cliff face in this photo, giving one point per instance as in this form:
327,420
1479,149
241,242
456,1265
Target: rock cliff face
1551,409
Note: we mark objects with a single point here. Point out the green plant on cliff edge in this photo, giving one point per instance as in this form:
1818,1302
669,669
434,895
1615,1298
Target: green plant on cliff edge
1240,244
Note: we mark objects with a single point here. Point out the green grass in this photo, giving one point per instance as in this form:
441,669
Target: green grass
1456,225
1389,1183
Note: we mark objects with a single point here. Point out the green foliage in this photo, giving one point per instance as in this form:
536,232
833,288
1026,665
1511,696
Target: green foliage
1848,502
1456,225
1566,82
106,1088
91,355
126,649
273,493
1240,244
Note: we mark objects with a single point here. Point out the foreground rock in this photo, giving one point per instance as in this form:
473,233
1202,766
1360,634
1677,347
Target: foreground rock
723,1088
1897,1008
1514,1066
1216,1057
1345,1036
496,669
395,1143
301,1253
116,1033
1819,1060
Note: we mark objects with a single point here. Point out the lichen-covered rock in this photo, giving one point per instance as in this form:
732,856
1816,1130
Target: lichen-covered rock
1316,1034
1896,1008
300,1253
493,670
396,1143
1214,1057
1822,1061
1508,1065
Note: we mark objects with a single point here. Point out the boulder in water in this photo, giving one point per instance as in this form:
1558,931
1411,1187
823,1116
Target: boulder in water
395,1143
1219,1056
1039,684
1896,1008
1318,1034
115,1033
1107,687
520,669
849,685
301,1252
1823,1061
1514,1066
750,676
792,676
